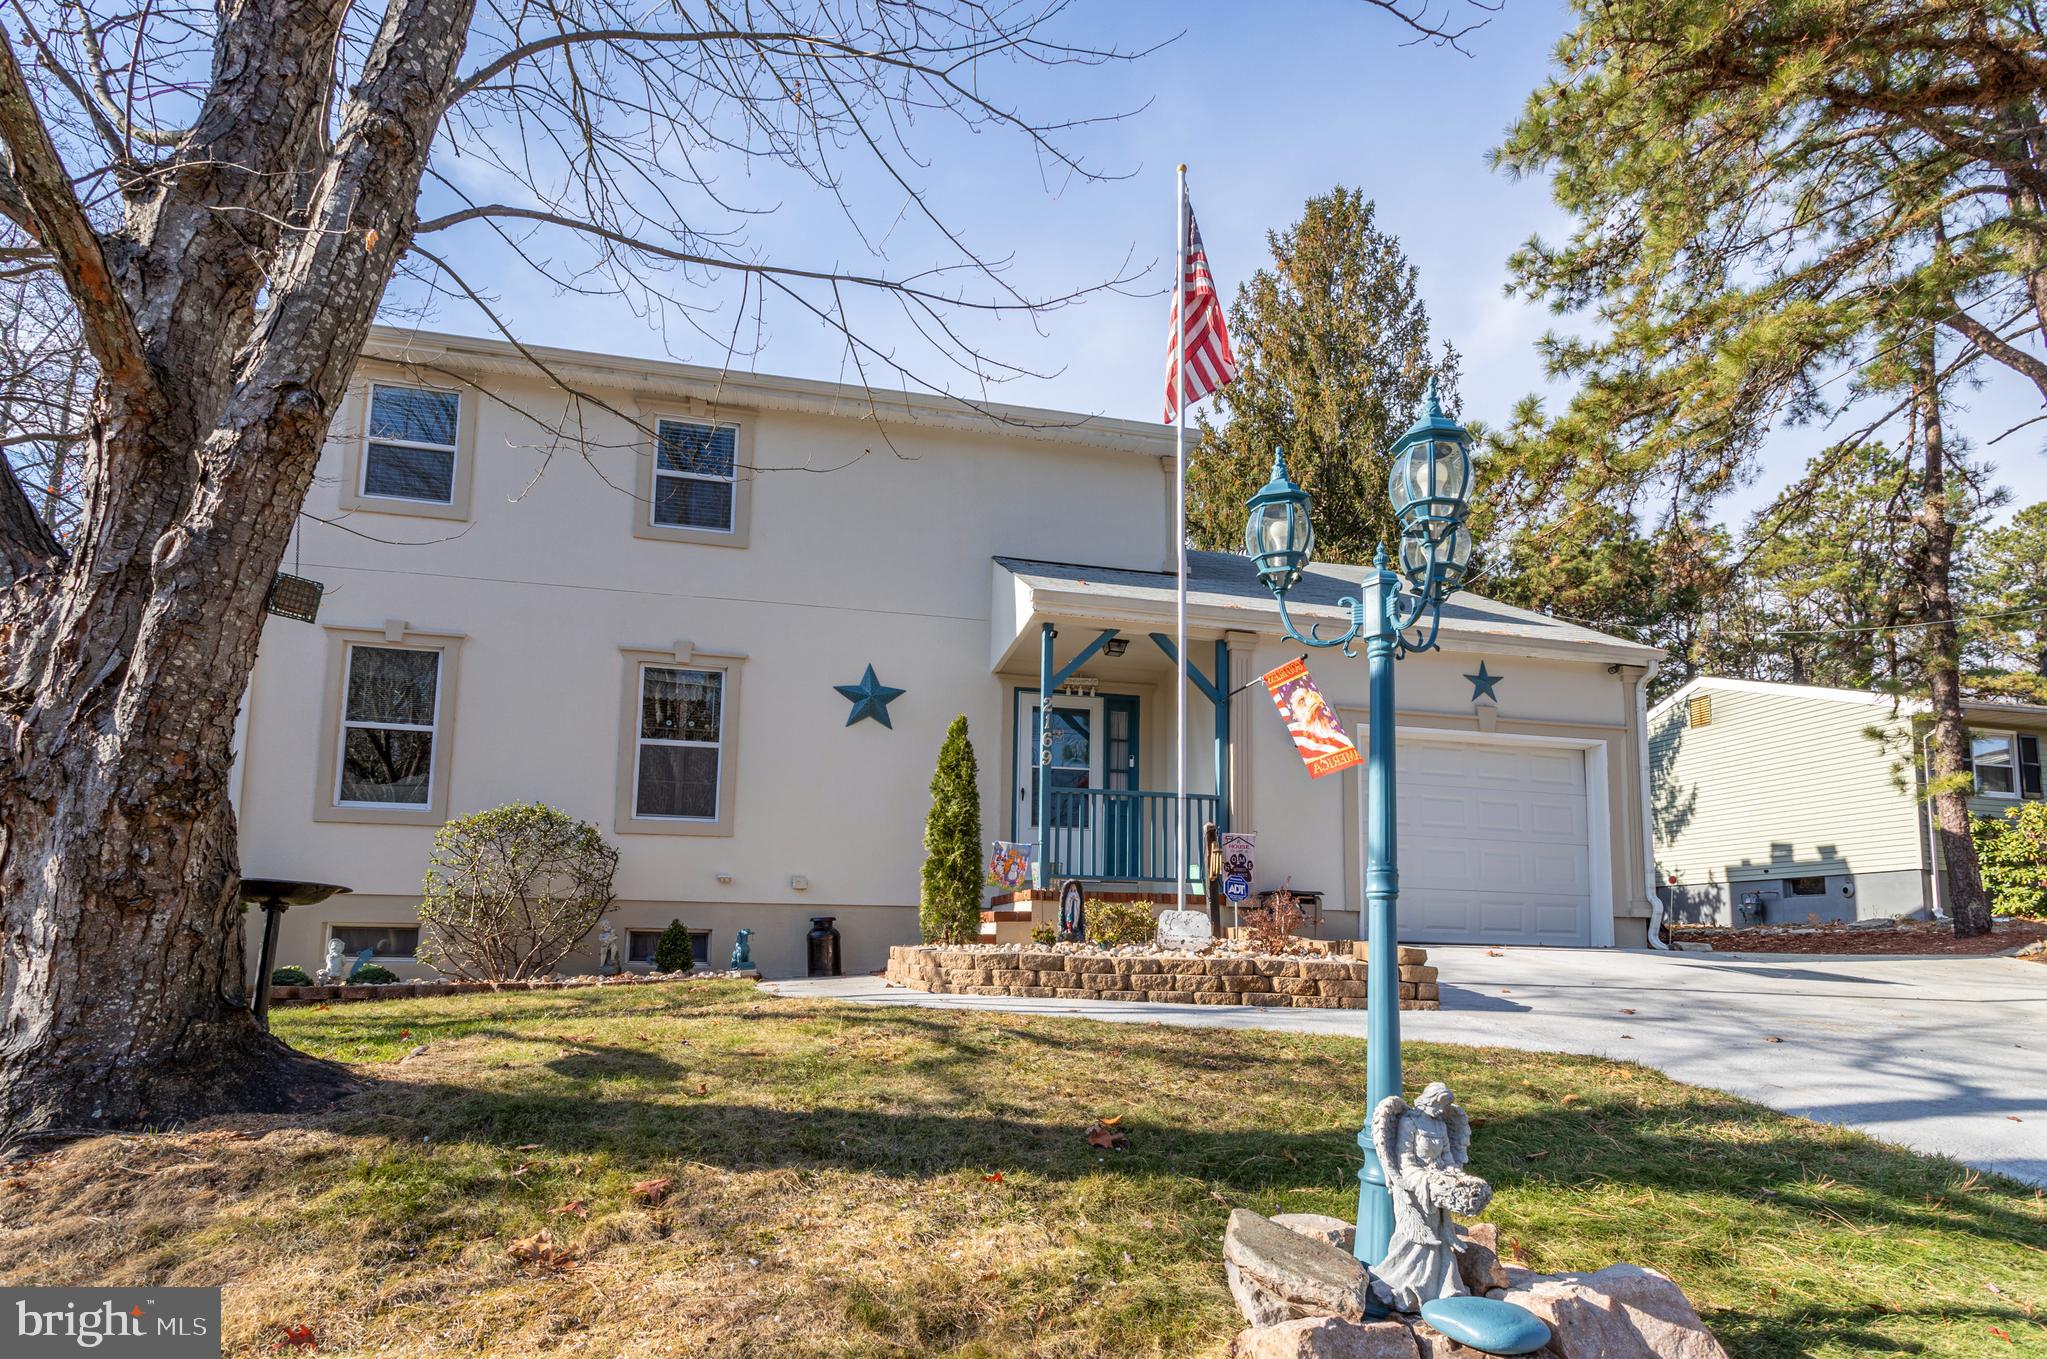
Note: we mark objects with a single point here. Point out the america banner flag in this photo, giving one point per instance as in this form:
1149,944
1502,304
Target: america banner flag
1206,346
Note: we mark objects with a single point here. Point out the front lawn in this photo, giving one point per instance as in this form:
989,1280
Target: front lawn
845,1180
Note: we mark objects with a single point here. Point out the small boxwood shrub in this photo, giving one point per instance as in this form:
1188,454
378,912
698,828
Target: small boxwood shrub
291,974
673,951
372,974
1044,934
2013,852
1115,924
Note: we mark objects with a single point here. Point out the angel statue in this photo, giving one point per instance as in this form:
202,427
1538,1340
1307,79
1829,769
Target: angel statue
1422,1149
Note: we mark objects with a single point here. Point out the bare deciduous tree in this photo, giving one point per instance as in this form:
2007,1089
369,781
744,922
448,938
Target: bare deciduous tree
225,193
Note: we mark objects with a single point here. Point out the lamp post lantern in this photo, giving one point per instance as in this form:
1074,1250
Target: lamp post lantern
1396,614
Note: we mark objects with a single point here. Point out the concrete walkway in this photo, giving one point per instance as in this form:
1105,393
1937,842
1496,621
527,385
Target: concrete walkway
1942,1055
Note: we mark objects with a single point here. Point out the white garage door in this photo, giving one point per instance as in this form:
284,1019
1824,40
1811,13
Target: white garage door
1493,844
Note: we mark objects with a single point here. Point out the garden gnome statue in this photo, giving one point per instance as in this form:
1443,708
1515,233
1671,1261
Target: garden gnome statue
1422,1149
742,955
607,951
330,973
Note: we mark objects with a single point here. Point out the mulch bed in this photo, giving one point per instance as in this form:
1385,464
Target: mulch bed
1912,936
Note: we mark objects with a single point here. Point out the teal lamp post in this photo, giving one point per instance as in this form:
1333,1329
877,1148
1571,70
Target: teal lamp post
1397,614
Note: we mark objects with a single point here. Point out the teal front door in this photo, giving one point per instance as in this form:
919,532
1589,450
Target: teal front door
1123,815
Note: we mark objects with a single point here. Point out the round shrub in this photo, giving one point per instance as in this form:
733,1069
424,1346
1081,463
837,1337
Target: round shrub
372,974
510,891
291,974
1115,924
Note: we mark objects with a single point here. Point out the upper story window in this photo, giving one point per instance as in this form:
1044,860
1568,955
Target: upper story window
696,475
409,452
389,720
1994,756
681,743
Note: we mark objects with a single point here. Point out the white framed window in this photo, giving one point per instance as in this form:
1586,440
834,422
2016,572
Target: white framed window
696,476
390,715
679,747
389,943
410,441
1995,758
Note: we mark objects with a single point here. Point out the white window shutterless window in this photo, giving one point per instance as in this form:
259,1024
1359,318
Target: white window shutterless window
409,449
390,709
680,743
696,476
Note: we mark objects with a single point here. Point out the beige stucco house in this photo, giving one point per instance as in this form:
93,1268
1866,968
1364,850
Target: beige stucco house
1777,803
650,631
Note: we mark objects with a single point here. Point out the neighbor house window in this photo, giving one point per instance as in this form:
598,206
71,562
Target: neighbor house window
1995,760
696,476
640,945
399,942
681,743
390,707
409,453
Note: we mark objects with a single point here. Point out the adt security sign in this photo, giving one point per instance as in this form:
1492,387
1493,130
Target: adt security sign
1236,887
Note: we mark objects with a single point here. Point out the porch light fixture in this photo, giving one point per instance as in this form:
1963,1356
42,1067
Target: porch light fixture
1279,536
1116,646
1430,485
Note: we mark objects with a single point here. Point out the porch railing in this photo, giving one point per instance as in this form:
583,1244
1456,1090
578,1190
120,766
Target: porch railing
1121,834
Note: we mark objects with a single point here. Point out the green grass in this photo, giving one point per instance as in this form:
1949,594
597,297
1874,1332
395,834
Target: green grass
833,1190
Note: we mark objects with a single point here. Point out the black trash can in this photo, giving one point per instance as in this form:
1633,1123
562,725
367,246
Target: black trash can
824,947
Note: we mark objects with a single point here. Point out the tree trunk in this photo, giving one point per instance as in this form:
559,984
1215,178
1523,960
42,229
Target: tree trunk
122,994
1932,568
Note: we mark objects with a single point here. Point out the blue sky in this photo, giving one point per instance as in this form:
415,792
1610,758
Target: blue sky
1268,104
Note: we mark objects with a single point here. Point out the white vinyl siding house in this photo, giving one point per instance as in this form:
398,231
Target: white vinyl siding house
1777,802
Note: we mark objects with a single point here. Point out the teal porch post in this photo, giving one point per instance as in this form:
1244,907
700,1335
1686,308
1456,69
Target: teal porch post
1221,705
1042,753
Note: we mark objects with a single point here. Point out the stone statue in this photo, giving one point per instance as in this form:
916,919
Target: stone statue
607,951
1184,929
362,960
742,952
330,971
1422,1150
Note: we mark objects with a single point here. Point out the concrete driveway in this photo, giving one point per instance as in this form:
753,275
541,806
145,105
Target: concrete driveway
1942,1055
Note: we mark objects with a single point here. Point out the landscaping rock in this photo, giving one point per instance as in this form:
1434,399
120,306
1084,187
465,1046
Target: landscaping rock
1478,1264
1430,1343
1327,1338
1311,1277
1322,1227
1620,1312
1260,1308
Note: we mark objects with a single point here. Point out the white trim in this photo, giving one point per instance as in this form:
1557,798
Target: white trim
345,723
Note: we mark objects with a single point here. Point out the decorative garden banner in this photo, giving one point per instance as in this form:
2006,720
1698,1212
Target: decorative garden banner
1010,864
1317,733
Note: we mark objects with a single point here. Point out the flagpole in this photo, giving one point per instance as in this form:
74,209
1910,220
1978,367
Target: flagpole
1180,547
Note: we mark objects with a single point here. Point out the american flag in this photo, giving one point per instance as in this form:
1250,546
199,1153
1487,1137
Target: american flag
1210,365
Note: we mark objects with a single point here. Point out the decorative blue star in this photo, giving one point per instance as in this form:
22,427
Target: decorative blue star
870,698
1482,684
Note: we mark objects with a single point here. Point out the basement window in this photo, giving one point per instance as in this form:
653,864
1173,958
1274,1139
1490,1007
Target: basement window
1805,887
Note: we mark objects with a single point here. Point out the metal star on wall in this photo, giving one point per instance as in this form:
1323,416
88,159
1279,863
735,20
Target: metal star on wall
1482,684
870,698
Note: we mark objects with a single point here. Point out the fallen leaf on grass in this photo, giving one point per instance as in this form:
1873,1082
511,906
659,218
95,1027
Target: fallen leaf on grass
2003,1335
326,1007
1111,1121
653,1191
1107,1138
1571,1099
699,1092
573,1208
296,1337
539,1249
1516,1251
405,1033
994,1177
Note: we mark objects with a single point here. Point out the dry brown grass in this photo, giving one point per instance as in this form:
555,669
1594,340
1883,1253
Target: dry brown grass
849,1181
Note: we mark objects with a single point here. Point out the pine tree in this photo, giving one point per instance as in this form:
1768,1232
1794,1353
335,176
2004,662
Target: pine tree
2007,593
674,951
1333,356
949,910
